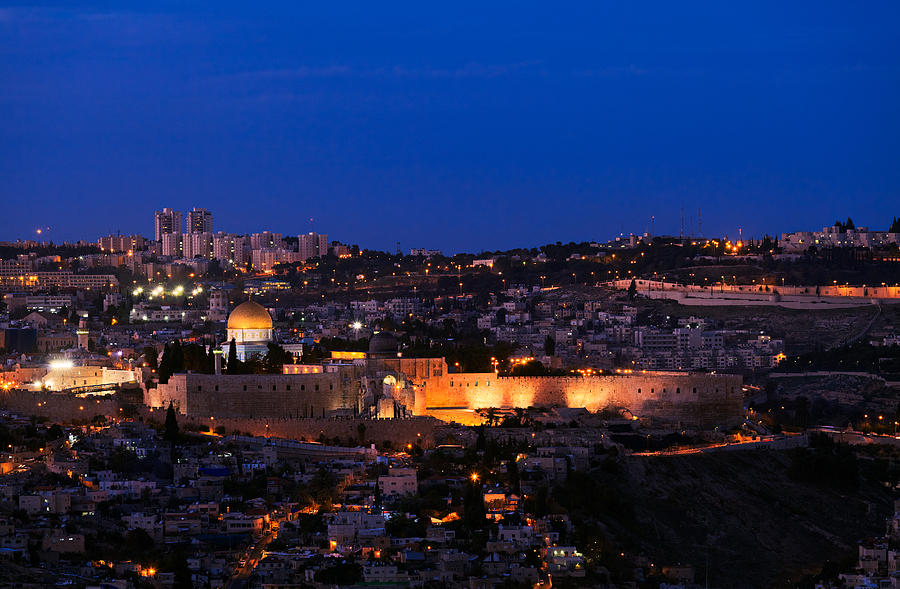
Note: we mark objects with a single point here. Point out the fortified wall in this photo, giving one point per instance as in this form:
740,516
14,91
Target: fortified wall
414,430
60,378
58,407
701,399
69,408
692,399
258,395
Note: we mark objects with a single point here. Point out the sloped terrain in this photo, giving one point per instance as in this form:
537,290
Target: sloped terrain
758,518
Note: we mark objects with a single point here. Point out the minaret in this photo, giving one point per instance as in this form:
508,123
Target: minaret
83,334
218,305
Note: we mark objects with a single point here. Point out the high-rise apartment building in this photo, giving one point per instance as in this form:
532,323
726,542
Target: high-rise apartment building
265,239
166,222
265,259
199,221
230,248
312,245
122,243
201,245
173,244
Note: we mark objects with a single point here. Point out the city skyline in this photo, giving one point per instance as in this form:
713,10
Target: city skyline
449,296
462,130
688,230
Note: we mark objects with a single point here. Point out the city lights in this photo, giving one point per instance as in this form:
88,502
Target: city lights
469,226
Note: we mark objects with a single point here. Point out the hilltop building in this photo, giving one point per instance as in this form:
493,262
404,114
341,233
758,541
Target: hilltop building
384,384
250,326
836,236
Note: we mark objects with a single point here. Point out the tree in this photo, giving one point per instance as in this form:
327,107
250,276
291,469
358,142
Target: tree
632,290
149,354
165,365
171,431
275,359
234,365
490,415
550,346
198,359
530,368
344,573
473,506
138,540
177,357
400,526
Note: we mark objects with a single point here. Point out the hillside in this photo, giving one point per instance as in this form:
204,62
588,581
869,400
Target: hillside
757,522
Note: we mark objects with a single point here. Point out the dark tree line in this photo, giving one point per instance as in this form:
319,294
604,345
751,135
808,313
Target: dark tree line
178,358
272,363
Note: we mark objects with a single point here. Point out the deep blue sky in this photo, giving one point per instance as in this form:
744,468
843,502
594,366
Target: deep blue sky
462,127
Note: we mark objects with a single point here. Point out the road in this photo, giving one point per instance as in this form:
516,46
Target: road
781,442
853,339
242,574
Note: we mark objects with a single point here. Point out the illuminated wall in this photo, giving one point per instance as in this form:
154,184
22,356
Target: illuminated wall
705,400
257,395
699,399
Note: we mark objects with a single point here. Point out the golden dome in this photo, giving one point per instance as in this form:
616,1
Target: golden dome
249,315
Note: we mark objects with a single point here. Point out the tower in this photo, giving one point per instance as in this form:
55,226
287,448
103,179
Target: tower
218,305
84,335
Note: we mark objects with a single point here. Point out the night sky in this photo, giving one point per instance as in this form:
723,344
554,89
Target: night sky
465,127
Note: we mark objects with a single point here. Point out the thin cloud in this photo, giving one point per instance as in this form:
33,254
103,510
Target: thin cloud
612,71
470,70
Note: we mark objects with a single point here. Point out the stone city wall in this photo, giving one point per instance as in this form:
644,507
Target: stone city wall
694,399
59,378
791,297
706,400
67,409
58,407
399,431
257,395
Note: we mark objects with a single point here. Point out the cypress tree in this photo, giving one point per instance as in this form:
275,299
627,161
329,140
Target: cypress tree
233,362
165,365
177,357
171,431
